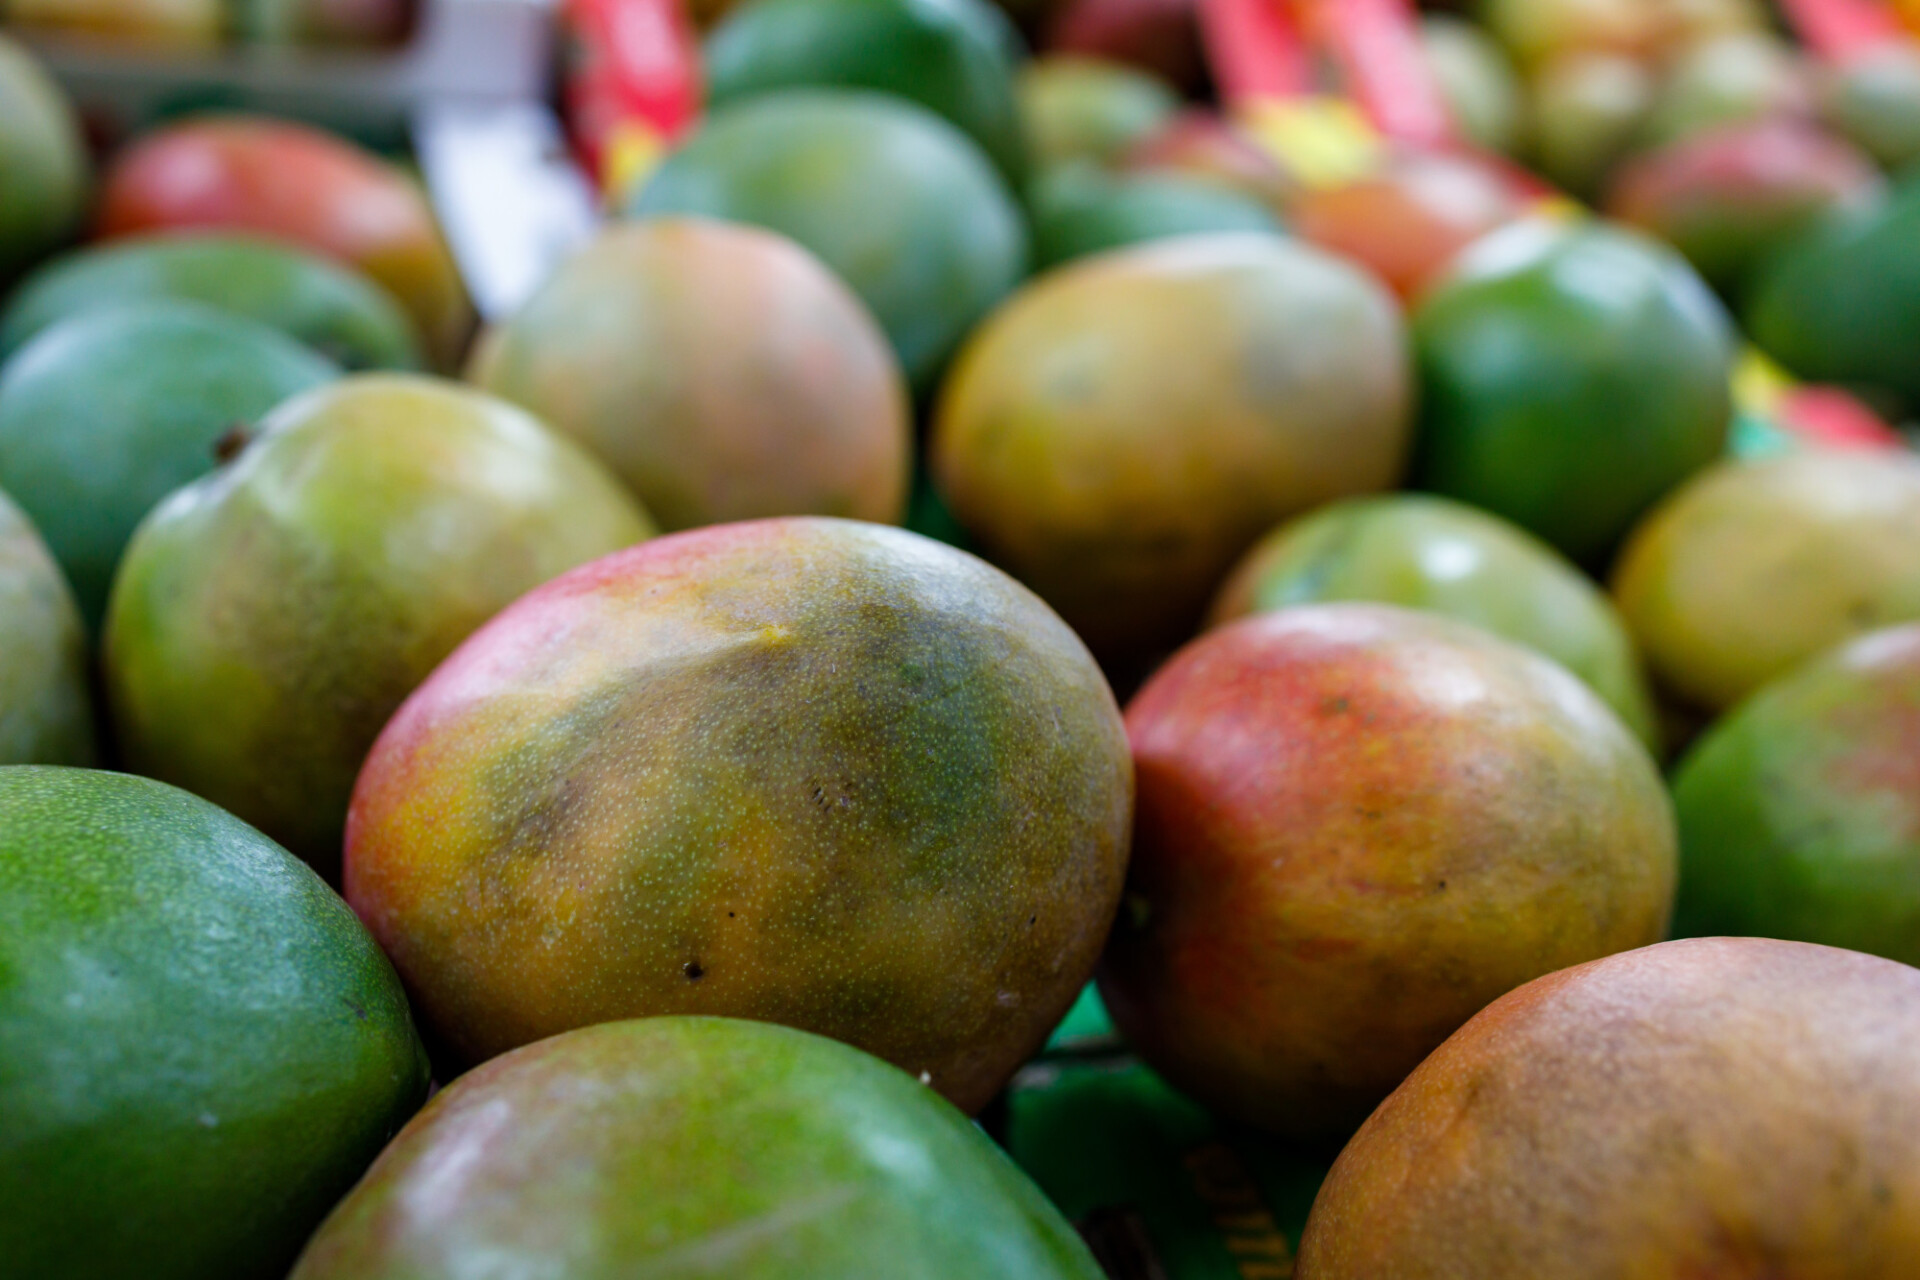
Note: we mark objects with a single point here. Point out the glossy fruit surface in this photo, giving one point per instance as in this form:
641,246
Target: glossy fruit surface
1439,556
200,1048
1799,813
721,370
1717,1107
954,57
268,619
43,162
903,206
337,312
1756,567
295,183
1124,429
1357,826
46,709
1571,375
815,772
679,1148
106,414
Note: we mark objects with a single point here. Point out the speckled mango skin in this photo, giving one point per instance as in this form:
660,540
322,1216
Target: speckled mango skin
1123,430
721,370
1423,552
1800,810
269,618
1712,1109
46,709
689,1148
1359,825
1755,567
808,771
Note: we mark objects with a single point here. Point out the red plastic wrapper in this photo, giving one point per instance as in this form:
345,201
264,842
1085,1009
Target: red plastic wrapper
632,85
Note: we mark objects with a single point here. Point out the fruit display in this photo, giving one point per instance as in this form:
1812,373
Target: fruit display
958,639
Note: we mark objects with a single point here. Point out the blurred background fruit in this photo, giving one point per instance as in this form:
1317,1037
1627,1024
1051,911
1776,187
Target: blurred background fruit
957,58
1799,814
298,184
1875,100
1444,557
103,415
678,1144
1841,303
1078,108
1210,148
160,25
1587,111
337,312
809,771
1357,826
1408,219
204,1050
268,620
1731,198
721,370
1571,375
1479,81
896,200
1710,1106
46,710
44,170
1158,36
1755,567
1079,209
1122,431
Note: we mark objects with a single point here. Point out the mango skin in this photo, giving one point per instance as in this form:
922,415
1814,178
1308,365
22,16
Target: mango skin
1358,826
107,413
1799,811
1428,553
1080,108
954,57
1125,428
1079,210
1841,303
721,370
1730,198
1716,1107
200,1047
268,619
1756,567
901,204
45,176
344,316
1570,377
808,771
677,1148
299,184
46,708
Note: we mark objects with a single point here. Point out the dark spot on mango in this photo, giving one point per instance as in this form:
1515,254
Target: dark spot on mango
232,442
693,970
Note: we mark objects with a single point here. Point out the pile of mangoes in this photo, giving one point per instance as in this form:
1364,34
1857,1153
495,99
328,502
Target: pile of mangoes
1412,653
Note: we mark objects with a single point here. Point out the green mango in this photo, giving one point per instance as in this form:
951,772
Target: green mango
1080,210
680,1148
956,58
1842,302
1875,100
46,712
1079,108
896,200
44,172
269,618
341,314
201,1049
1799,813
107,413
1439,556
1571,376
